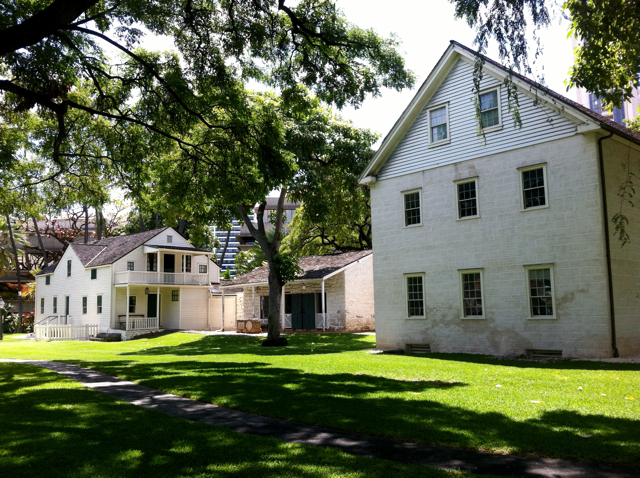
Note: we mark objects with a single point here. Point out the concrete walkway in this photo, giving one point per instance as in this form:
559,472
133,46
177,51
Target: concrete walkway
373,447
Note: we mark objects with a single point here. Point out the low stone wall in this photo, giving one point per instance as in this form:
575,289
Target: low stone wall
248,326
129,334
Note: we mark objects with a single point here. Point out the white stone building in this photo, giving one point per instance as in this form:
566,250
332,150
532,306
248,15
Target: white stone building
500,242
130,284
346,280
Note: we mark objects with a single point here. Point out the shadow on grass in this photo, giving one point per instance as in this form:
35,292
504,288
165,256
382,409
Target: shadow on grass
303,344
361,403
564,365
75,432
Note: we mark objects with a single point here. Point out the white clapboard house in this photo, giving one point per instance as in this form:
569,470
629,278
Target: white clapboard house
132,284
495,237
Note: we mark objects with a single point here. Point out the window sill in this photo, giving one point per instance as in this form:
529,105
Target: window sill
415,318
474,318
466,218
439,143
491,129
534,208
543,317
412,226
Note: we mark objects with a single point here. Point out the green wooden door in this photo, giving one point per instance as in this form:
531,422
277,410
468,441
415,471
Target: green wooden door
152,305
309,311
296,311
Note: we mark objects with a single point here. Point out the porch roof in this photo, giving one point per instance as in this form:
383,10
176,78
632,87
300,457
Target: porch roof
313,267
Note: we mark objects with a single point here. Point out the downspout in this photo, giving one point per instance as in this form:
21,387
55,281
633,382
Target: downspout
607,244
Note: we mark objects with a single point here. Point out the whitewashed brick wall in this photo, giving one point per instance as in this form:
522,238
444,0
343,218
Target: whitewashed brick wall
625,260
568,234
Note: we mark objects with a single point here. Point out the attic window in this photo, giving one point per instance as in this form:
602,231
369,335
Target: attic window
438,125
169,239
490,110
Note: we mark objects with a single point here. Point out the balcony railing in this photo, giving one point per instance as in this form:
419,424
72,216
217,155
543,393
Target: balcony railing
169,278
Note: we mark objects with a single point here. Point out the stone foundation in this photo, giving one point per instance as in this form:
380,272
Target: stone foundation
248,326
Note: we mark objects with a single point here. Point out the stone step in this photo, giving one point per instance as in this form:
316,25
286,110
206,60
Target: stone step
106,337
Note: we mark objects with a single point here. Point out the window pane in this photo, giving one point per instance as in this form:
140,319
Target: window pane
533,185
438,123
489,100
467,205
472,294
412,208
540,292
415,296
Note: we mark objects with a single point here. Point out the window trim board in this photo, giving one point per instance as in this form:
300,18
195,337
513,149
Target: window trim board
528,268
461,272
406,296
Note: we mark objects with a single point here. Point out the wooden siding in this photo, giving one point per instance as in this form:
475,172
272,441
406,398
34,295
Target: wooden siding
413,154
215,304
194,308
161,239
76,286
169,310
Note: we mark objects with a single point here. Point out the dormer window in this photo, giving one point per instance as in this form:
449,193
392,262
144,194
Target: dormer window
169,239
438,125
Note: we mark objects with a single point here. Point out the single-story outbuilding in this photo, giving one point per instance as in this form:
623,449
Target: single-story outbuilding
345,280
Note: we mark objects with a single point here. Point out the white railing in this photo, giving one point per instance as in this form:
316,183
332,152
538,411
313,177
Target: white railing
136,323
65,332
171,278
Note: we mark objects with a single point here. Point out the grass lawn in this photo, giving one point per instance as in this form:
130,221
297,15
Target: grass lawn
443,399
52,426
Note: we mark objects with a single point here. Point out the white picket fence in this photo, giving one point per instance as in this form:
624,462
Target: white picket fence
65,332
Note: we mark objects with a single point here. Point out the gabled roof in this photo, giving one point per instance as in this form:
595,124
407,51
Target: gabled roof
456,51
48,270
313,267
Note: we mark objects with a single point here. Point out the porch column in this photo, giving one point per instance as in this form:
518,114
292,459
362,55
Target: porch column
282,309
324,315
253,300
126,324
158,306
222,290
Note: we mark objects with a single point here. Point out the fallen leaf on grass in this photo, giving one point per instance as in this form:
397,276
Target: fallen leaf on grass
604,394
629,398
580,388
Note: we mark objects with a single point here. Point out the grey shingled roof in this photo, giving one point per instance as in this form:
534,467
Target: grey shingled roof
314,267
48,270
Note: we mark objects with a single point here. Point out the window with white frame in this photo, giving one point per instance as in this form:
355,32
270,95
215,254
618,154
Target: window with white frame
490,109
412,216
55,305
415,295
540,290
132,304
99,304
84,304
69,268
169,239
131,265
42,305
471,293
175,295
533,182
202,268
467,198
438,124
47,280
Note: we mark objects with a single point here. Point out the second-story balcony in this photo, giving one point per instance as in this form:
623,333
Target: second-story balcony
161,278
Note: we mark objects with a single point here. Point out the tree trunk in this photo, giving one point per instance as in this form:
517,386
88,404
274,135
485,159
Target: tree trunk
15,258
181,227
275,299
86,224
99,224
141,223
44,251
224,249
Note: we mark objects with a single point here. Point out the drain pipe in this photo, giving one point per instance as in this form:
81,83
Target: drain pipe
607,243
